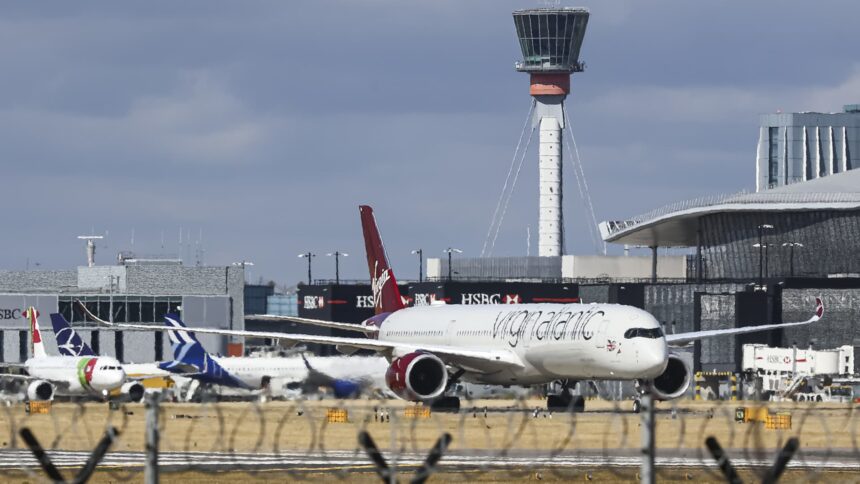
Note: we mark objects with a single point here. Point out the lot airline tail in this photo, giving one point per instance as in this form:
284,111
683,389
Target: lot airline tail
386,295
68,341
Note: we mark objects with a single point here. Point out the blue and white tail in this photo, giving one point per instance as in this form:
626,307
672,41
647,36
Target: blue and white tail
189,353
186,348
68,341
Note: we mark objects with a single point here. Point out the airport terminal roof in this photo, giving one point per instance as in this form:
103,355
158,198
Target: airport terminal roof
675,225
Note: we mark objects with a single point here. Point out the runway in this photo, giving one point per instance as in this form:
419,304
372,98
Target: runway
316,460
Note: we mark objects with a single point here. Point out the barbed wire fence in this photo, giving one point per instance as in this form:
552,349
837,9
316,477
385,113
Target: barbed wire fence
392,441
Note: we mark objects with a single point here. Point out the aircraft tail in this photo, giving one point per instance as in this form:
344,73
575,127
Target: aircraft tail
186,349
37,345
188,353
386,295
68,341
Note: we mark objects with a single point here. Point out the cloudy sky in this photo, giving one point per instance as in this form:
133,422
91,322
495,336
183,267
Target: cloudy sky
262,125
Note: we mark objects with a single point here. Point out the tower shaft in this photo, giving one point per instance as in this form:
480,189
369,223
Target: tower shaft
549,230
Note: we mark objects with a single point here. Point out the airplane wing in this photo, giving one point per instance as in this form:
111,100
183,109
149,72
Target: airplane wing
682,339
315,322
475,360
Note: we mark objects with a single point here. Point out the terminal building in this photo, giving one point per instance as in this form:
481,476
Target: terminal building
797,147
134,291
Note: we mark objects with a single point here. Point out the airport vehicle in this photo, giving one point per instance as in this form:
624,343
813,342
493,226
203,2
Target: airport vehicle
432,347
80,375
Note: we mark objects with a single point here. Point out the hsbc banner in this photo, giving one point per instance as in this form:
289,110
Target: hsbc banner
348,303
12,308
469,293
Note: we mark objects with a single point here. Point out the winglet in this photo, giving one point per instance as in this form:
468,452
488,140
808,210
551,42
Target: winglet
89,313
819,308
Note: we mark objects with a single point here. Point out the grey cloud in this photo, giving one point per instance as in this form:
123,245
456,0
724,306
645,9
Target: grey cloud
264,124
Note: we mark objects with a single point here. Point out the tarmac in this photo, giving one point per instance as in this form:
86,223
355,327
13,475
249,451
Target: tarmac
456,460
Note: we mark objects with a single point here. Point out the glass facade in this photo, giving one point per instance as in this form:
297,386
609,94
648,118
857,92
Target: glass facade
773,157
121,308
550,39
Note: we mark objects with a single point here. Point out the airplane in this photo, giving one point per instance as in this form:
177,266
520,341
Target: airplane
430,348
78,375
191,359
69,343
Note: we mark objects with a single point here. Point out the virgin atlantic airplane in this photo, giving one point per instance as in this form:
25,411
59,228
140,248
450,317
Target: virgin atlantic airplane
432,347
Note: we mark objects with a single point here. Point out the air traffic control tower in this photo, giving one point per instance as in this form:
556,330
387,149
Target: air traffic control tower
550,39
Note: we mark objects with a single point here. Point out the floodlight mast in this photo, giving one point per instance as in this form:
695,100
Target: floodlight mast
550,40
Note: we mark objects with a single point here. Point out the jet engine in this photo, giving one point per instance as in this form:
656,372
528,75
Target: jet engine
40,390
417,376
132,391
674,381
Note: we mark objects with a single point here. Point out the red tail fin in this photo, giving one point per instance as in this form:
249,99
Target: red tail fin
386,295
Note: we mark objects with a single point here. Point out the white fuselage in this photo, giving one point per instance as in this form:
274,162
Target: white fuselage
252,370
78,375
553,341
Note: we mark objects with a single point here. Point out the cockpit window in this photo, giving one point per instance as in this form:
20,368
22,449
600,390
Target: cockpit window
652,333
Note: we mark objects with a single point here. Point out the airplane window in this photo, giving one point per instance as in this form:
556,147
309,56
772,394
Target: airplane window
651,333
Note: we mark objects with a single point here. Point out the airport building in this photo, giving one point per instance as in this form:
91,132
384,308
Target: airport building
809,229
134,291
797,147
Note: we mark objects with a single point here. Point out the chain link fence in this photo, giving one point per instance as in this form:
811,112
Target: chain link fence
494,440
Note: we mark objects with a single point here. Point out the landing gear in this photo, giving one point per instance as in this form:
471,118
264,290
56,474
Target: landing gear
446,404
637,406
565,401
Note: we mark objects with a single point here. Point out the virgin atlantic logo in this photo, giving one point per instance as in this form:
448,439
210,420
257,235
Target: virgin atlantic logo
377,284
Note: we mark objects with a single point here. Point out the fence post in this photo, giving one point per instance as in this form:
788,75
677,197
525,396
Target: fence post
150,475
646,470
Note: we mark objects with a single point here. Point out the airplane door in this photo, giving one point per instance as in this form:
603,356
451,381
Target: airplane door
451,332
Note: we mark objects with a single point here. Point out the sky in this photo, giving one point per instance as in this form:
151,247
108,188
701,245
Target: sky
255,129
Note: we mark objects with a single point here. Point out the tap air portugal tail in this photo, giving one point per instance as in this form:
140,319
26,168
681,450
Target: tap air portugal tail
386,295
68,341
38,346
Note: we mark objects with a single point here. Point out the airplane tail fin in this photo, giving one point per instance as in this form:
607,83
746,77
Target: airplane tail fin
68,341
386,295
37,345
186,349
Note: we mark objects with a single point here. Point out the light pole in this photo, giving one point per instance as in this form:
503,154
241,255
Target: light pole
761,248
337,255
791,246
420,253
451,250
309,255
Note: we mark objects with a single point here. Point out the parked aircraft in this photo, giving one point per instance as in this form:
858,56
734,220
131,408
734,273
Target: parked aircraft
432,347
78,375
69,343
344,377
